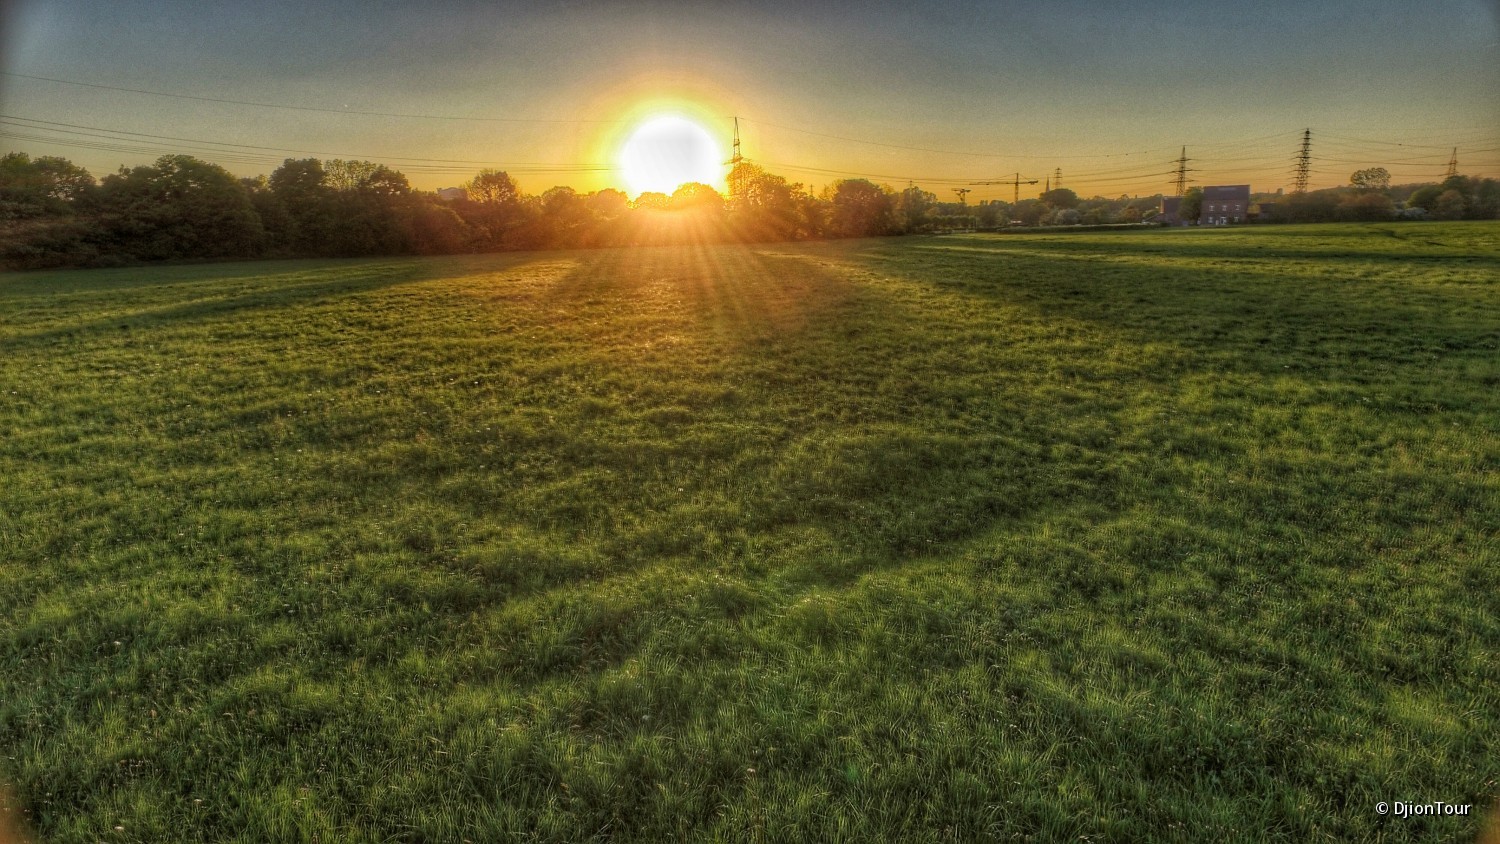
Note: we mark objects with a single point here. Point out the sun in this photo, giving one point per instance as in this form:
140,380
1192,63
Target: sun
667,151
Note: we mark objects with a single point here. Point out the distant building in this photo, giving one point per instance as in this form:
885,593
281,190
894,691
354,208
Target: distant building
452,194
1169,206
1224,205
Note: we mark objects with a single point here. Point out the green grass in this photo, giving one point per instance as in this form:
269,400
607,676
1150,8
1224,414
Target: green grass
1169,535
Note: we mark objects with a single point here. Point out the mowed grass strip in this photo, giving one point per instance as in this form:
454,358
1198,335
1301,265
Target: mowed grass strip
1176,536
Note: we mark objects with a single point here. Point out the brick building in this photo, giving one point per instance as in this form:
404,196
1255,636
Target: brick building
1169,206
1224,205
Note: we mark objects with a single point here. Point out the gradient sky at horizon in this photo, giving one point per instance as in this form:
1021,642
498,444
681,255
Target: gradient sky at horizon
1105,93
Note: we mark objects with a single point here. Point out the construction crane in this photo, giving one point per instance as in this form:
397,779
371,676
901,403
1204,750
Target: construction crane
963,195
1014,182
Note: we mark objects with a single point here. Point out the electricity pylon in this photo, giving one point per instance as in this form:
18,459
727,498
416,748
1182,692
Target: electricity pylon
1182,171
1303,167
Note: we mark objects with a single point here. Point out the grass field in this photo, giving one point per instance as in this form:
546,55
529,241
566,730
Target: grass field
1169,535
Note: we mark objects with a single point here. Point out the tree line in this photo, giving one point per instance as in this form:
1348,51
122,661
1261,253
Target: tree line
1370,197
54,213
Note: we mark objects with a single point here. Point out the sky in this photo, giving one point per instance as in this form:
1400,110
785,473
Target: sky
943,95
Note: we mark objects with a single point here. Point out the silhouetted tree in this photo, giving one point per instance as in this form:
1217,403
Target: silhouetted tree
435,228
763,206
493,209
563,219
698,197
652,201
493,187
364,177
608,203
861,208
913,208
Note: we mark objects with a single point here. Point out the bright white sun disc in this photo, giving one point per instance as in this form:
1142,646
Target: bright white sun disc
668,151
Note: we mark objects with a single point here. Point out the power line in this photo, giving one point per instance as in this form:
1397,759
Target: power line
554,121
1489,134
47,124
138,143
824,171
916,148
117,140
298,108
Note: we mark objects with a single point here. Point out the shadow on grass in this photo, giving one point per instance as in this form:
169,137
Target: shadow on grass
1365,244
727,394
1259,316
238,295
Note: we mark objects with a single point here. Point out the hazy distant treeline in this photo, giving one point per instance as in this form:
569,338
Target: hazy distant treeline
55,214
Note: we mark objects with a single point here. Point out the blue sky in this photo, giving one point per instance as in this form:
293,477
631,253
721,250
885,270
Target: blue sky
1105,92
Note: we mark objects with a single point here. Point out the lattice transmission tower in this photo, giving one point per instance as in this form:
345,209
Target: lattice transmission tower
736,189
1303,167
1182,171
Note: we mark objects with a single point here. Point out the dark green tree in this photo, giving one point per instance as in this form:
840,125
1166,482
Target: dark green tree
1366,205
179,207
42,186
493,187
1191,206
299,186
861,208
494,208
763,206
914,208
1372,178
1060,198
1424,197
